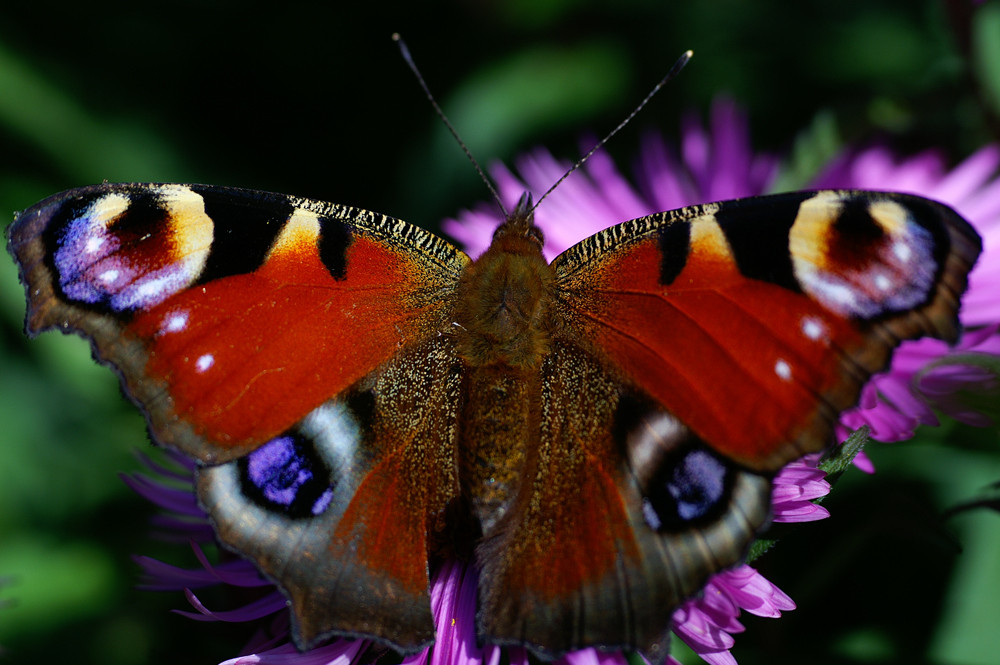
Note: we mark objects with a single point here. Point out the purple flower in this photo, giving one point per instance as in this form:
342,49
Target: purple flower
713,164
796,488
706,623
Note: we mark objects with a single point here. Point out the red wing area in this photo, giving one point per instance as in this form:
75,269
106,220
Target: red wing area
230,314
252,353
751,322
725,354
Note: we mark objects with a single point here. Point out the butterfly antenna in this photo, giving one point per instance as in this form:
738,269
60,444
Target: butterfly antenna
674,71
405,52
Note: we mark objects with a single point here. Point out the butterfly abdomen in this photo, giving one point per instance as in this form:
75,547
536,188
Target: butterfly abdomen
499,436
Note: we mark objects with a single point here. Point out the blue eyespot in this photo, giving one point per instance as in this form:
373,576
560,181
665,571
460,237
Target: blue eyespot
286,475
687,490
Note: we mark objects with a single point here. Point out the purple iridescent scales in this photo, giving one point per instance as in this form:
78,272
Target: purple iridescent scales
102,257
298,472
282,471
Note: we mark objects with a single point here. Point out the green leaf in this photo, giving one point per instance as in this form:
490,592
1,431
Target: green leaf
813,150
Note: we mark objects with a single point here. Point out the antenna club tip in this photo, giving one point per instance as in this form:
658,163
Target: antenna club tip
403,49
687,54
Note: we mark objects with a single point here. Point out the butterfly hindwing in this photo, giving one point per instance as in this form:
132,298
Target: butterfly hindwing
622,514
694,353
756,322
230,314
337,510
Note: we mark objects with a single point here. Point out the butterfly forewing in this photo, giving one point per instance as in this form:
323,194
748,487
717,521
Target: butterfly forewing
756,322
230,314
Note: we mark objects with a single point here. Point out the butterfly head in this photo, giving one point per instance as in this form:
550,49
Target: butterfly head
520,227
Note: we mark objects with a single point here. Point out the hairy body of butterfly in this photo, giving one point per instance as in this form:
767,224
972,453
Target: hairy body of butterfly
598,434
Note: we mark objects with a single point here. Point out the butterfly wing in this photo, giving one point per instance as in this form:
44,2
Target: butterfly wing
230,314
756,322
694,353
298,336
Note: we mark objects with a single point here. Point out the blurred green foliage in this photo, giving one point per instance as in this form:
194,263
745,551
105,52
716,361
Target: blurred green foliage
314,100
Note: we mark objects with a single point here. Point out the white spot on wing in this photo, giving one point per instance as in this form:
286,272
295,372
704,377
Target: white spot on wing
783,370
204,362
837,296
94,244
902,251
156,289
813,328
175,322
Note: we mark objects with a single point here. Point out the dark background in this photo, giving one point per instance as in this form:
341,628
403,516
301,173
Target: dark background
316,102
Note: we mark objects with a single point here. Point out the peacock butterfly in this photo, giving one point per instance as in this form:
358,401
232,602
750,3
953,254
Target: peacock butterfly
598,434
